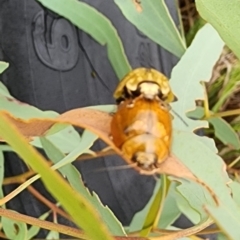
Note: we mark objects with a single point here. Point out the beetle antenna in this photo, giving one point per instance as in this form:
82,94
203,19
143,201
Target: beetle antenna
167,106
123,167
185,123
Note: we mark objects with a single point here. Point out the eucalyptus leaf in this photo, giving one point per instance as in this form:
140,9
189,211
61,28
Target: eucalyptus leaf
14,230
74,203
1,170
186,208
1,175
63,135
196,200
139,218
74,178
4,91
224,17
156,206
23,110
52,235
222,236
155,21
170,211
207,166
222,129
3,66
195,66
224,132
198,154
227,92
235,187
66,139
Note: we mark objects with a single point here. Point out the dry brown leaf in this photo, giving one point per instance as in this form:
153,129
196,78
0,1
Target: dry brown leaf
94,120
185,232
97,122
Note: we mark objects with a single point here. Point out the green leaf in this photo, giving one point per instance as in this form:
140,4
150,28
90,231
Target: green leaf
82,213
169,213
87,140
22,110
207,166
53,234
185,206
224,132
95,24
195,66
235,187
224,17
83,147
1,169
155,22
3,66
65,136
74,178
222,129
155,207
57,127
4,91
227,219
203,161
197,25
1,175
14,230
227,92
196,200
170,210
197,113
67,139
221,236
139,218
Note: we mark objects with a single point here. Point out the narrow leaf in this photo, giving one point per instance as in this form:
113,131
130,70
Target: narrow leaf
155,21
139,218
75,204
14,230
223,130
224,17
3,66
74,178
207,166
225,133
195,66
156,207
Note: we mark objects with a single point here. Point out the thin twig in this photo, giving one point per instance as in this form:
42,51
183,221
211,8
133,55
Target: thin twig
45,201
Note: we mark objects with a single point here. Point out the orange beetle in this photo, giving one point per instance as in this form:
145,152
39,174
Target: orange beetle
147,82
142,129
